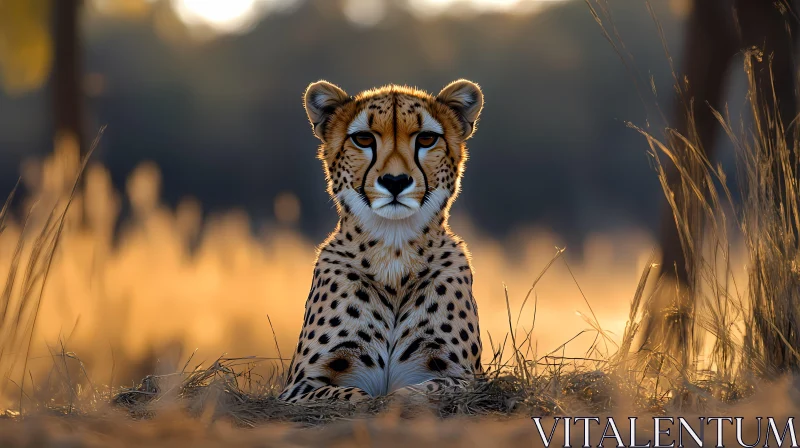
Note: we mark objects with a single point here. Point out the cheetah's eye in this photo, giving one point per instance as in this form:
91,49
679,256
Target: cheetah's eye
427,139
363,140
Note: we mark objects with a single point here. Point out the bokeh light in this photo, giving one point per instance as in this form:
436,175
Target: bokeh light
428,8
227,16
239,16
365,13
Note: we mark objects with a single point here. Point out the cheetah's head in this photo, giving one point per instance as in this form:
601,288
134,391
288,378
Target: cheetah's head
394,154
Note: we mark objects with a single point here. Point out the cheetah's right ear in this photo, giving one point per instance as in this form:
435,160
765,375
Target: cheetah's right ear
321,100
466,100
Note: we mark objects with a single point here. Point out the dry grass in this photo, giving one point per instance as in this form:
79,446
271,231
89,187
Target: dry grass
73,240
114,312
724,330
741,329
519,381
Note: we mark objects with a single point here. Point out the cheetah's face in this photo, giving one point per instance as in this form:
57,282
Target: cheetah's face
394,152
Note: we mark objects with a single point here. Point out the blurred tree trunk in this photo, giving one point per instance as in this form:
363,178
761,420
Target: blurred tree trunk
67,74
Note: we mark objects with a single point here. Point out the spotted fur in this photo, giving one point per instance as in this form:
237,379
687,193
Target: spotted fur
391,306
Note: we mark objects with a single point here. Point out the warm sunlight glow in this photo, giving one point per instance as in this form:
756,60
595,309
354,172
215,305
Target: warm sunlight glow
435,7
365,13
226,16
238,16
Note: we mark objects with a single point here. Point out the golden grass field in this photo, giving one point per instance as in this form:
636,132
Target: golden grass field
172,294
172,291
149,296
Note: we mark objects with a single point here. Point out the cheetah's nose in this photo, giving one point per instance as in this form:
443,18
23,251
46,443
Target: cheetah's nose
395,184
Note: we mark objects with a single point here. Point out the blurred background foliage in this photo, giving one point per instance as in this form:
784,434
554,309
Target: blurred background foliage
25,45
210,91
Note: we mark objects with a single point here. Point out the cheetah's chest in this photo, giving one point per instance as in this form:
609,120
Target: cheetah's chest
409,331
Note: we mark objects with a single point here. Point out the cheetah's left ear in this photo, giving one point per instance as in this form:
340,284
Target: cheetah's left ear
321,100
466,99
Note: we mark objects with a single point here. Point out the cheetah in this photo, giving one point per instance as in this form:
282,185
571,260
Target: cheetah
391,309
